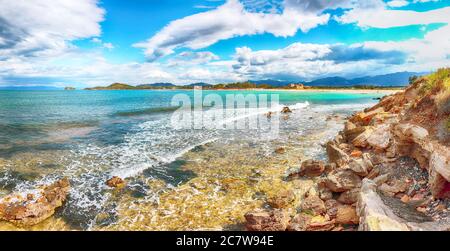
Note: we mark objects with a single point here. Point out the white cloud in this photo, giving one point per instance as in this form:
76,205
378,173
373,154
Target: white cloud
190,57
46,27
97,40
380,17
397,3
227,21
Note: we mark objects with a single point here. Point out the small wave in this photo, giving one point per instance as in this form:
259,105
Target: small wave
147,111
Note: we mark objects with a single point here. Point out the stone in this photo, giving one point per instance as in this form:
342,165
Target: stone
37,208
286,109
405,198
347,215
439,170
300,222
381,179
380,137
348,126
266,220
325,194
280,150
410,133
313,204
349,197
331,206
116,182
364,118
359,167
361,140
352,133
282,199
312,168
320,223
342,180
356,153
336,155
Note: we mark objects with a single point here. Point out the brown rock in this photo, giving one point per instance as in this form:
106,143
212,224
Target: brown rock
28,211
116,182
361,140
320,223
336,155
280,150
286,110
349,197
282,200
356,153
352,133
331,207
312,168
325,194
380,137
347,215
405,198
342,180
266,220
314,205
300,222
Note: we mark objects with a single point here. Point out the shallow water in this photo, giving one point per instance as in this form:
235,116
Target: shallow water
177,179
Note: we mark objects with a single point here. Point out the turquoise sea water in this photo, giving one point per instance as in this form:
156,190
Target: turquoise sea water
90,136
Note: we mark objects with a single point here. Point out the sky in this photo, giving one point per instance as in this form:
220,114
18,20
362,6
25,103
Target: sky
87,43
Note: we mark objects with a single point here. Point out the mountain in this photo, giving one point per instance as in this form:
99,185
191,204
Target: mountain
393,79
199,84
30,88
115,86
275,83
157,85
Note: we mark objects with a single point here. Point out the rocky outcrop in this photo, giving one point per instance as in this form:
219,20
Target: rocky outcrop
33,208
342,180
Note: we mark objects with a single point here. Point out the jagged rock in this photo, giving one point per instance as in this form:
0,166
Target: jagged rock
359,167
330,167
33,209
347,215
397,187
266,220
356,154
348,126
286,110
351,134
325,194
313,204
439,169
381,179
375,215
299,222
380,137
342,180
361,139
349,197
116,182
410,133
282,200
312,168
336,155
364,118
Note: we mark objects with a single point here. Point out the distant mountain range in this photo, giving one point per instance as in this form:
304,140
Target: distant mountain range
393,79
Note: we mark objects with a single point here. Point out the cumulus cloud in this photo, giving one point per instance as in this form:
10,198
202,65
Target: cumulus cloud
190,57
301,60
227,21
36,28
397,3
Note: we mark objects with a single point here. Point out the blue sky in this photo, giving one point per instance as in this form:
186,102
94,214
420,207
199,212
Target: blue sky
88,42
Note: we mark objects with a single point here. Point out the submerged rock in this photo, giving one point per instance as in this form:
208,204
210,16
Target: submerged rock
286,109
282,199
33,209
312,168
116,182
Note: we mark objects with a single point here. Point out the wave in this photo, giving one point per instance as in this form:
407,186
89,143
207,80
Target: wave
147,111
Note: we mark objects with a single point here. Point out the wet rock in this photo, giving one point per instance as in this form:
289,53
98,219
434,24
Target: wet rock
266,220
286,109
320,223
282,199
347,215
280,150
31,210
116,182
313,204
342,180
312,168
349,197
336,155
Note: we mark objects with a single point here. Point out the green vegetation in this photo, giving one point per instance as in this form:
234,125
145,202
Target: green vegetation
437,81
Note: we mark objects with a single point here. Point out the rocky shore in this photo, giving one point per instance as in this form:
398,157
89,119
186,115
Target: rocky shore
389,169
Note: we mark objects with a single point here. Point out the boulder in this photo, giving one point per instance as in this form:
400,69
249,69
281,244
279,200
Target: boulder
347,215
320,223
300,222
336,155
34,208
410,133
313,204
312,168
351,134
364,118
361,139
380,137
266,220
116,182
359,167
342,180
331,206
349,197
280,150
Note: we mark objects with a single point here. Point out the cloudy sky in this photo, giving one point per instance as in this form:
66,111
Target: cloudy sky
88,42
